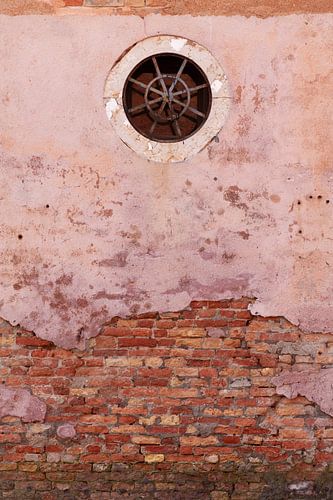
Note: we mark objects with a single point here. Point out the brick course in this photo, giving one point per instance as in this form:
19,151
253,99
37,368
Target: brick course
260,8
179,402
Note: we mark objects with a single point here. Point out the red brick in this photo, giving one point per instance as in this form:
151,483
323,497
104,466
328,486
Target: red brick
267,360
297,444
105,342
32,341
97,458
10,438
92,429
136,342
73,3
208,372
230,439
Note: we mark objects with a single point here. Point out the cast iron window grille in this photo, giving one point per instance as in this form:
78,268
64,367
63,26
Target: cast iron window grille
167,97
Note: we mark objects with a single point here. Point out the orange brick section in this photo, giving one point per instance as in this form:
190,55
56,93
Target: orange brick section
104,3
260,8
165,404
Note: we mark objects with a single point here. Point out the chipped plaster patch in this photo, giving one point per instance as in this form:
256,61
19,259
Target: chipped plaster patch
110,107
216,86
178,43
315,386
158,151
20,403
301,486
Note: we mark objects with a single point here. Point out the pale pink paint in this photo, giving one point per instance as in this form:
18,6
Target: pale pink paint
20,403
107,233
66,431
315,386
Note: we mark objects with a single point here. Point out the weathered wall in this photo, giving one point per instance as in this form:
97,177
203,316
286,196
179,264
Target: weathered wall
185,401
90,230
167,402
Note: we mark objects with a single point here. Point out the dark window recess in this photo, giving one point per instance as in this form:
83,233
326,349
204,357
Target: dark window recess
167,98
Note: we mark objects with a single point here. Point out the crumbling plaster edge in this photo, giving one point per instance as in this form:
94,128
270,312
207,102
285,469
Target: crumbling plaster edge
315,385
146,13
184,305
85,11
283,381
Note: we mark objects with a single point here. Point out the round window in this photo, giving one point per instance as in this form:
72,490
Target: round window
167,98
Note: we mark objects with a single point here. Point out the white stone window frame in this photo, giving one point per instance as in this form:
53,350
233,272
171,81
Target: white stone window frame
161,151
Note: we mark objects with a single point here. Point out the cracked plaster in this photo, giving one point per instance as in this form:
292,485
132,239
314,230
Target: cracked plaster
89,230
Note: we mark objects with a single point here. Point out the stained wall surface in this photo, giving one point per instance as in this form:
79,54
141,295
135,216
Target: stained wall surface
205,401
89,230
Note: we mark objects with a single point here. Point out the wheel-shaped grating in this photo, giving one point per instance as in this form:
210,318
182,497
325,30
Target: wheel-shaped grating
167,97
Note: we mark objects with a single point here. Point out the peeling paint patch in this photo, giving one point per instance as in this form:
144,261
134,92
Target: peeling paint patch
20,403
315,386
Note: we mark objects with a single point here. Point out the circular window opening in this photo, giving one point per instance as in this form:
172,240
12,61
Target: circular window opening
167,97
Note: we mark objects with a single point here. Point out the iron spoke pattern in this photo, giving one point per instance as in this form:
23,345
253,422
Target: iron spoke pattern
167,97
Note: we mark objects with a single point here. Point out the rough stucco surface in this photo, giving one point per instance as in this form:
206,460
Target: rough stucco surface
261,8
103,232
315,386
20,403
16,7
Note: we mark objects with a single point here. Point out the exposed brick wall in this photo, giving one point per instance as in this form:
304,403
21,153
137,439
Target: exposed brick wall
172,404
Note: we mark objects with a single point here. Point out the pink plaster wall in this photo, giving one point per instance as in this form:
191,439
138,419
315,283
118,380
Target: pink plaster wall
107,233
